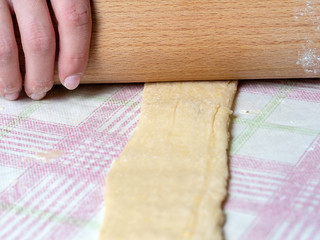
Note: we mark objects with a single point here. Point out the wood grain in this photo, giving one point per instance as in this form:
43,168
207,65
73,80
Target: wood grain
170,40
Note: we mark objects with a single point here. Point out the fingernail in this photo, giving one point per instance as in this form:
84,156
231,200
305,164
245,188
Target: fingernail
38,96
72,82
12,96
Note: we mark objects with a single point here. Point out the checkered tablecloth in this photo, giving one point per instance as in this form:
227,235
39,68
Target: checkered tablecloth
55,154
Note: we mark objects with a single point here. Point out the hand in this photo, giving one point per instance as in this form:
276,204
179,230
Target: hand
39,45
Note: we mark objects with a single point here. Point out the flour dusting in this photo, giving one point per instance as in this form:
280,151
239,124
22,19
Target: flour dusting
309,58
309,55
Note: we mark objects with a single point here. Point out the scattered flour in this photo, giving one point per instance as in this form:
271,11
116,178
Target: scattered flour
309,55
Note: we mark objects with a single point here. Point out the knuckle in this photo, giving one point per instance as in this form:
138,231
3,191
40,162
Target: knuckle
77,15
7,49
78,57
40,45
40,41
76,60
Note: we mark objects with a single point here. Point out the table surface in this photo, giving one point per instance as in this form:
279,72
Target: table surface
55,154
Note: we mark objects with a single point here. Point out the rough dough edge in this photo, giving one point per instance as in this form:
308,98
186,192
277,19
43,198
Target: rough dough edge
222,106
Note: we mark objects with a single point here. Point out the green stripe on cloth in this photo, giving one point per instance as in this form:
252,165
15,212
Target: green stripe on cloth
20,118
239,141
47,215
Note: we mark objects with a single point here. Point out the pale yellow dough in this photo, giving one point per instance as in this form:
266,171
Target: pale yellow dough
170,181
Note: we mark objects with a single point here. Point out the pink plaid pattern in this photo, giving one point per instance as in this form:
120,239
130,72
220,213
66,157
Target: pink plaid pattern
275,158
56,198
55,154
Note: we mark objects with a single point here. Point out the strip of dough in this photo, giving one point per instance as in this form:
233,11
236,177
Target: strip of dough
170,181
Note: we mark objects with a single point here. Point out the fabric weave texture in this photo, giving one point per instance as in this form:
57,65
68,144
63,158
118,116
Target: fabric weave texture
56,153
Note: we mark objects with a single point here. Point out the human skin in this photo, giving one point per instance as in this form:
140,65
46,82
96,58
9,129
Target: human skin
39,45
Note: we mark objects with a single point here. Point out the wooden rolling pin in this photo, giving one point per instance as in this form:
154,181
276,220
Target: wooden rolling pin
170,40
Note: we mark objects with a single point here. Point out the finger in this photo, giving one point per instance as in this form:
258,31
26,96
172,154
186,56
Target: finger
10,76
74,26
38,42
